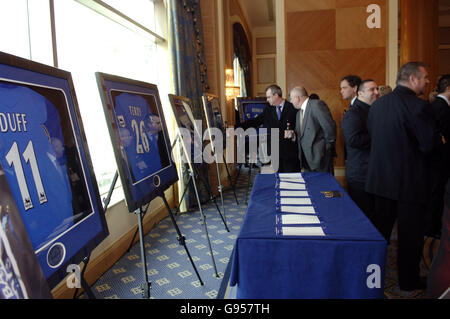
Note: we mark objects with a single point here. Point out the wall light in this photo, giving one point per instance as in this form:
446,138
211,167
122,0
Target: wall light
231,91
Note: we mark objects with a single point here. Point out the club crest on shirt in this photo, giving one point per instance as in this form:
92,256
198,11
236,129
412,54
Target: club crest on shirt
121,120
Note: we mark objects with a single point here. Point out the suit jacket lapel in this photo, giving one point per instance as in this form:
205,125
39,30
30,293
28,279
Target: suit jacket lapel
305,117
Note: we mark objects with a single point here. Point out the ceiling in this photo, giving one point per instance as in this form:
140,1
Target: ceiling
259,13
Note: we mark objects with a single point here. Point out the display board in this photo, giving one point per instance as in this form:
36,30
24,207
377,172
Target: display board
139,136
251,107
46,161
185,119
213,114
21,276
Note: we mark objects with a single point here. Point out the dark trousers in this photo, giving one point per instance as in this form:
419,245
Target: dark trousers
410,223
361,198
439,277
289,165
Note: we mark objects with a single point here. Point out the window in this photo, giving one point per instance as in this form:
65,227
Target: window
90,37
26,29
239,79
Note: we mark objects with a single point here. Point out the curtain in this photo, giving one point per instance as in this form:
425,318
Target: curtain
243,53
189,73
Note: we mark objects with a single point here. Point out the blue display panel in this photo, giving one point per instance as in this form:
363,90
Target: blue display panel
249,108
139,137
46,162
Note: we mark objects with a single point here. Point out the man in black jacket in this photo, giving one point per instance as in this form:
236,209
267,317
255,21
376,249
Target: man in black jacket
440,157
357,143
402,133
278,115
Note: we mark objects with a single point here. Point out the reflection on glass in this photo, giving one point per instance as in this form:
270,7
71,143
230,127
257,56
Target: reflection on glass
88,43
39,155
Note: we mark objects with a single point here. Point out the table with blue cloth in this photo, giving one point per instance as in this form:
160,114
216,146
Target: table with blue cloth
348,262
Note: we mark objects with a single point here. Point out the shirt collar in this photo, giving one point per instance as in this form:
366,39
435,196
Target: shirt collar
282,104
353,100
304,104
442,96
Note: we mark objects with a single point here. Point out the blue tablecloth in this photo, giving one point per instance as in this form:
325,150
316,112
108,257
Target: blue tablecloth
267,265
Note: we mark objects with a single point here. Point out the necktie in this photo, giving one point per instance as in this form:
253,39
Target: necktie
301,119
279,112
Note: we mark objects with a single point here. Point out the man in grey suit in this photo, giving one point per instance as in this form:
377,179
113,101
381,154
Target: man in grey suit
315,132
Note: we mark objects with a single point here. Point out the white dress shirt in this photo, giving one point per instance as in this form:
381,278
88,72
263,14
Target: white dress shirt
442,96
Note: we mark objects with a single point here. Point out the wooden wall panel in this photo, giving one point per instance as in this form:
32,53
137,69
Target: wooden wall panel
327,40
358,3
306,34
367,63
444,61
312,69
352,31
309,5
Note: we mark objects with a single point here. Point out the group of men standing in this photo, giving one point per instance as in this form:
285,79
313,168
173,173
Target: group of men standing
390,144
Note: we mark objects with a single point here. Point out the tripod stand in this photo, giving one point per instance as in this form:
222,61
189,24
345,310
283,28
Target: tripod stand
86,259
194,173
233,185
181,240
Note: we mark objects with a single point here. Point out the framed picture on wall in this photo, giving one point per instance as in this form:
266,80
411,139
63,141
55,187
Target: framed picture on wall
46,161
139,136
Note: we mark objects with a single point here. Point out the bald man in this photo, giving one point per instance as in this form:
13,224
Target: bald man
315,132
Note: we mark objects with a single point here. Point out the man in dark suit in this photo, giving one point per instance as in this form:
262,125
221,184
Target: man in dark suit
357,143
279,115
440,109
402,133
349,88
315,132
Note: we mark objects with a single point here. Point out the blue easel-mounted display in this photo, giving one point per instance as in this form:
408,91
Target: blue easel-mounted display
46,162
142,150
249,108
139,137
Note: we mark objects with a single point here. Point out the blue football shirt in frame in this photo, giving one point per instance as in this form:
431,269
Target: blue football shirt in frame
34,162
138,130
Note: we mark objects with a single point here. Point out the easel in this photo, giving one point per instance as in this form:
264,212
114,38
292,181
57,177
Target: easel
250,164
146,286
233,185
86,259
192,174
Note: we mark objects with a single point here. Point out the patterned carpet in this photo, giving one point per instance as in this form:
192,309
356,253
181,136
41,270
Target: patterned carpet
171,273
391,288
169,268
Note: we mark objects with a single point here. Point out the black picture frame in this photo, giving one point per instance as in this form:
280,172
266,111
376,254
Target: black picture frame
250,107
47,163
144,173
